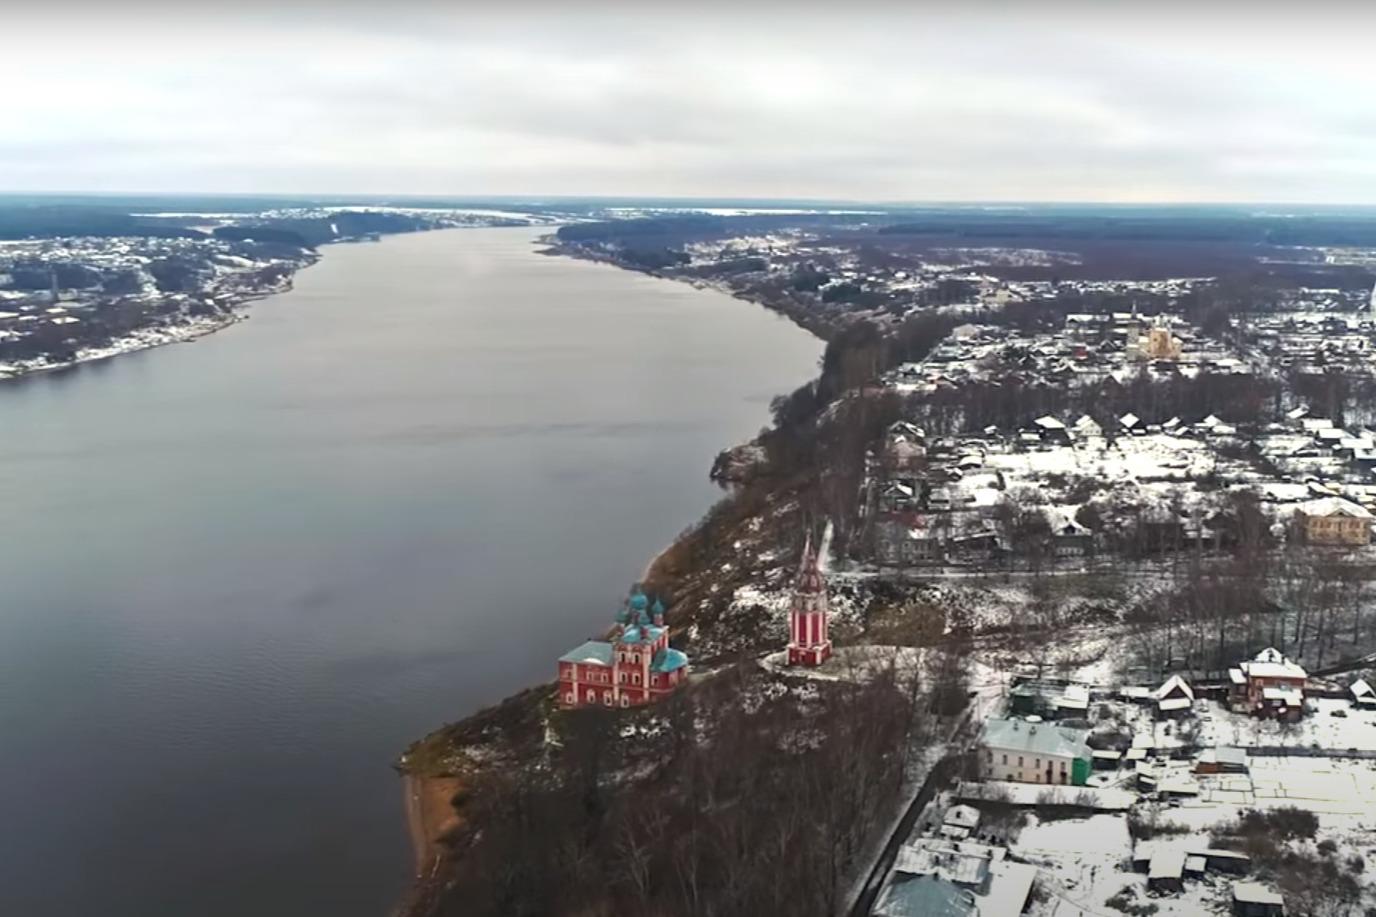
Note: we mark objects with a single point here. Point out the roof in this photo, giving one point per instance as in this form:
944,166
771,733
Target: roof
1236,676
962,816
1224,754
1272,663
1334,506
1255,893
1036,738
1174,703
647,633
1287,696
1167,864
1049,423
924,896
667,660
1010,884
1175,683
593,652
1360,688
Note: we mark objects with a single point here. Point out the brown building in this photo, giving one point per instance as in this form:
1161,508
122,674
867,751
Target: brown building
1269,684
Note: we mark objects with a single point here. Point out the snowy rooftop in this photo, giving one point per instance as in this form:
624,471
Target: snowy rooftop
1035,738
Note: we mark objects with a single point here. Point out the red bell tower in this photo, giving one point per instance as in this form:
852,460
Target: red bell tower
809,642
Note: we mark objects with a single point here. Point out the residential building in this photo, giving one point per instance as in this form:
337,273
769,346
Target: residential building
924,896
960,822
1013,749
637,666
1174,698
1334,521
1269,684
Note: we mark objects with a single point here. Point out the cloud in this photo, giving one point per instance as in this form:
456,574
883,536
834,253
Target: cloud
1147,102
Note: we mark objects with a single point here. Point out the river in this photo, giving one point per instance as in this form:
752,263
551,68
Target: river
239,575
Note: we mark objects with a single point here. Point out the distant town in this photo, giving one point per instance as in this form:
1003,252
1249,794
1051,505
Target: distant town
86,283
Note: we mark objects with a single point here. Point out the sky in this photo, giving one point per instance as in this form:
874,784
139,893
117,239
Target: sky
855,101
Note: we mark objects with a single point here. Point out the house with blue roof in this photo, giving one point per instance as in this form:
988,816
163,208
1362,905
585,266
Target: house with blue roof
636,666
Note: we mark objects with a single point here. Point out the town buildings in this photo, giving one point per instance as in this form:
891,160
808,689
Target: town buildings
809,641
1014,749
637,666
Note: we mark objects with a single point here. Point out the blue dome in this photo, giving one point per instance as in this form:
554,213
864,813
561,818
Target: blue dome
638,601
623,615
657,608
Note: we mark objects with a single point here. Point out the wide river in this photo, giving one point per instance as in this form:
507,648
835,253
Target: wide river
239,575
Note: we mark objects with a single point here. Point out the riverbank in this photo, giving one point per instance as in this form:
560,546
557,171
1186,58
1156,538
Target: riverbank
822,327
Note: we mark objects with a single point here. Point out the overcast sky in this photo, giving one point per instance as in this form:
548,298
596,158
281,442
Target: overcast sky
858,102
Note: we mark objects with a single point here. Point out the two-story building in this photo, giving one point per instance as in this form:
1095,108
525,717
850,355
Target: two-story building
1014,749
1268,684
1334,521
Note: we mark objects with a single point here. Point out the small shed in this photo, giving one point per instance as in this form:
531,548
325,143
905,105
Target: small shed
1223,860
1222,760
1363,695
1166,872
1252,899
1105,759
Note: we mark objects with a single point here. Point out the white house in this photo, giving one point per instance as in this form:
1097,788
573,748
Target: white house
1013,749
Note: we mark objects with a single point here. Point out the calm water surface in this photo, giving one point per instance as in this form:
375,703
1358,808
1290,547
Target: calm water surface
239,575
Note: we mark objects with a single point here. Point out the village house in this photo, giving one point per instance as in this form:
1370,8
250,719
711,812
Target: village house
1363,695
1269,684
1174,698
1000,887
637,666
924,896
1334,521
1013,749
960,822
1048,698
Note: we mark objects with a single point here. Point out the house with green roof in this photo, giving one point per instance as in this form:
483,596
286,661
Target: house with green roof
1034,752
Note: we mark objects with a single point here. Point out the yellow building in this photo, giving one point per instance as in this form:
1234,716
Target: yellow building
1157,344
1161,344
1334,521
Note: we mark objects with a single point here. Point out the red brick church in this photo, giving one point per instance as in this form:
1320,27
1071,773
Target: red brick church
637,666
809,642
